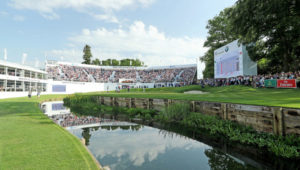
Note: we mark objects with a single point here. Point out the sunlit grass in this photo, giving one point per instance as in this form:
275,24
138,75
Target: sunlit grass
30,140
229,94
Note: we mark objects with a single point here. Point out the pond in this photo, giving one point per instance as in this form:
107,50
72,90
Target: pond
142,147
125,145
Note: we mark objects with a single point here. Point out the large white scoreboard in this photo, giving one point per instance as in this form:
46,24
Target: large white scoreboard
232,60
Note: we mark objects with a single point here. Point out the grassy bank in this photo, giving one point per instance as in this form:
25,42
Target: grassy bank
229,94
29,140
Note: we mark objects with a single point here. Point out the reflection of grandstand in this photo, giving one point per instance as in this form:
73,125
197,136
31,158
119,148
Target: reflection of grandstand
62,71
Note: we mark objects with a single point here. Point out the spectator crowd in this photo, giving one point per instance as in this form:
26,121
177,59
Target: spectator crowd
63,72
67,120
254,81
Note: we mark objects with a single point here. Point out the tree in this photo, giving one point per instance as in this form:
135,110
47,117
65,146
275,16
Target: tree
220,33
125,62
137,62
96,62
87,55
271,27
86,135
115,62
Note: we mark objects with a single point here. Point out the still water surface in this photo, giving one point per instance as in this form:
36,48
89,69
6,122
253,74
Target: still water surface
142,147
124,145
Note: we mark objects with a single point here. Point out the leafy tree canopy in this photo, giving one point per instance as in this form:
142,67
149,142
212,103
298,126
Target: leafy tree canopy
87,59
219,34
271,28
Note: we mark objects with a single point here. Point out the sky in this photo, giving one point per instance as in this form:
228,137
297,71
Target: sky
158,32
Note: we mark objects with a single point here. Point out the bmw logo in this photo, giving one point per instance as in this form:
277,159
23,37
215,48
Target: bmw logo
226,48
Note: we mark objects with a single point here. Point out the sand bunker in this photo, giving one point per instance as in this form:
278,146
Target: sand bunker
195,92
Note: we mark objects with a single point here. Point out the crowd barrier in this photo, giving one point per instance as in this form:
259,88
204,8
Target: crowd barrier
278,83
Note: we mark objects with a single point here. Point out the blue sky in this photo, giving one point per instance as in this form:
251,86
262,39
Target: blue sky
159,32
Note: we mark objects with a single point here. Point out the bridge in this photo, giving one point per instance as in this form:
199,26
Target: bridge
101,124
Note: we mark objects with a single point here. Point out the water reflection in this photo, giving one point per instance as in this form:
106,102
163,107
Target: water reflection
150,148
87,135
54,108
123,145
218,160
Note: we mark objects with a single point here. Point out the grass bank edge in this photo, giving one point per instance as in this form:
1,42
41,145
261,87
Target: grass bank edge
287,98
35,101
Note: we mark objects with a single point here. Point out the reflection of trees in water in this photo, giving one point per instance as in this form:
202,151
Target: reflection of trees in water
219,160
169,134
95,128
136,127
86,135
131,127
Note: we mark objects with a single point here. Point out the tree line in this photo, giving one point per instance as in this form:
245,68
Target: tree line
270,29
87,59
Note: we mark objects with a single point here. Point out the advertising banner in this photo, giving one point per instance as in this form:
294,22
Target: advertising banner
271,83
291,83
58,88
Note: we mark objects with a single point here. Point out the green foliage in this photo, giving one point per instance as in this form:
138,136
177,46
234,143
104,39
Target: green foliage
131,62
115,62
89,106
220,160
271,27
219,34
123,62
83,105
96,62
263,66
287,147
175,112
87,59
87,55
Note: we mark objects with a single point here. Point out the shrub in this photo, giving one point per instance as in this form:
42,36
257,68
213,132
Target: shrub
175,112
287,146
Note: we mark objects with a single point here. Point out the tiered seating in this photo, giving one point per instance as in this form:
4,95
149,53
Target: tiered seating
64,72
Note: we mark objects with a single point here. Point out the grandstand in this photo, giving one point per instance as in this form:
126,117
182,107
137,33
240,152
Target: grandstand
163,75
66,78
19,78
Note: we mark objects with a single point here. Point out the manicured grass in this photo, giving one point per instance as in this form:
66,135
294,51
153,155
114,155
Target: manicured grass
229,94
30,140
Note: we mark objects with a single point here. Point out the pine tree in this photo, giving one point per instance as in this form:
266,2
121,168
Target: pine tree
87,55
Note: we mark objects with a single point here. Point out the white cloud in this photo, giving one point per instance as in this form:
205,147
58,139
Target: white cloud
48,8
106,17
139,41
